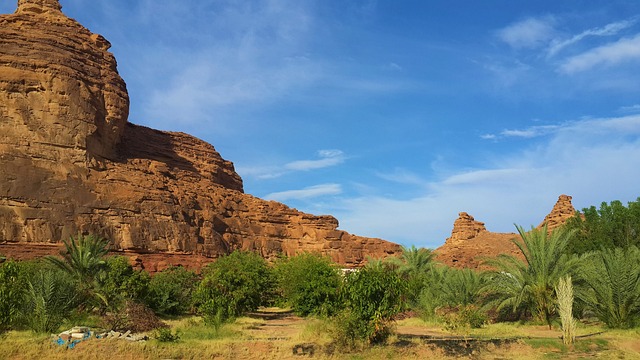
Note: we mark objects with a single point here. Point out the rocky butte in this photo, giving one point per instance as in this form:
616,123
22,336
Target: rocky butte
471,242
70,162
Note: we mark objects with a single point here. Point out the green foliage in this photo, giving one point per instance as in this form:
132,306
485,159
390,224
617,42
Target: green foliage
372,297
611,226
49,299
171,291
166,335
118,282
83,256
11,294
233,285
613,286
531,283
447,287
463,316
310,284
414,265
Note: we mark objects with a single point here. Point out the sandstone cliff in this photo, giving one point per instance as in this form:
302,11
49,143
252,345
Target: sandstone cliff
470,242
70,162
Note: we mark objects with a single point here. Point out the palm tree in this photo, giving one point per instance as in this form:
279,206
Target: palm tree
613,286
530,283
415,260
83,258
413,266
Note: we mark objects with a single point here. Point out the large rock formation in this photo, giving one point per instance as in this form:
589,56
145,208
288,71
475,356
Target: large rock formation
470,242
71,163
562,211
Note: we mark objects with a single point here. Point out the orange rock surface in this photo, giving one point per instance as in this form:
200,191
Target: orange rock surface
470,242
71,163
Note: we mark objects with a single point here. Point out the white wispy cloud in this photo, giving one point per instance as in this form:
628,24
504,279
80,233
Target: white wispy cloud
593,160
401,176
608,30
327,158
528,33
629,125
623,50
630,109
306,193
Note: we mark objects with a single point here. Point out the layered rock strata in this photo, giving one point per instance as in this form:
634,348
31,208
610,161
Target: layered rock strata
71,163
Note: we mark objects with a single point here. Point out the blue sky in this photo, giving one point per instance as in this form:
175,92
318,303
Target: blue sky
394,115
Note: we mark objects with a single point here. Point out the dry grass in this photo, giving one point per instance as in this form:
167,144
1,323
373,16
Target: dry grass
275,338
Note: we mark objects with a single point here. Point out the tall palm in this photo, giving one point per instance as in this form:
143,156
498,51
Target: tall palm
83,258
515,283
613,286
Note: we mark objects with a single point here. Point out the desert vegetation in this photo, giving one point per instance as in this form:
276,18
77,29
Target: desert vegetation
580,279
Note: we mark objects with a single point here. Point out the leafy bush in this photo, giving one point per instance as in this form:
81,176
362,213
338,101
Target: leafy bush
171,291
49,299
372,296
463,316
447,287
165,335
613,286
11,294
118,282
309,284
233,285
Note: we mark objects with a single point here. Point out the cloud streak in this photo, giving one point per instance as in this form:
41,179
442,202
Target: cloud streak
623,50
306,193
608,30
328,158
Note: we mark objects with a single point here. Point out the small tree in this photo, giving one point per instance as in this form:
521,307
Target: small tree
171,291
117,282
233,285
372,297
309,284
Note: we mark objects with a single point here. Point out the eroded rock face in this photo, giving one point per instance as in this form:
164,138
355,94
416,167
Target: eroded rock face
71,163
465,227
562,211
470,242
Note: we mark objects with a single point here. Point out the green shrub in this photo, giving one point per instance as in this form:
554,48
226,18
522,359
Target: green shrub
613,286
462,316
171,291
166,335
309,284
49,299
234,285
372,297
11,294
118,282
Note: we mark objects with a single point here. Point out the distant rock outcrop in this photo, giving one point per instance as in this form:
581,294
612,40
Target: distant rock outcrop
71,163
470,242
562,211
